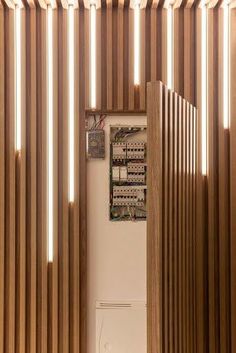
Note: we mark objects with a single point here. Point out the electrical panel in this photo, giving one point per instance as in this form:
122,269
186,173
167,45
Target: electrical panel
128,169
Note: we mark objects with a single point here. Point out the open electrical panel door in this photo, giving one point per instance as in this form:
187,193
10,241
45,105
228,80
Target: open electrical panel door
171,221
142,168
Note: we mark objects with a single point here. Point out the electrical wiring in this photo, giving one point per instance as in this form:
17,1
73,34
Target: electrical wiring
98,123
124,133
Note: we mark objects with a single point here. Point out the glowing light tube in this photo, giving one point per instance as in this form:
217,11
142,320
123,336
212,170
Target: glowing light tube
226,66
170,47
71,101
18,78
50,130
93,79
137,44
204,89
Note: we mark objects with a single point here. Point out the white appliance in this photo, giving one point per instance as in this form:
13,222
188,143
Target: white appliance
121,327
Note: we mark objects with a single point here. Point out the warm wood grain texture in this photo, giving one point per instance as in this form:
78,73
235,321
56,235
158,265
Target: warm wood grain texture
10,197
224,215
42,248
53,306
21,208
233,179
213,245
63,216
2,178
74,216
155,225
43,306
31,180
170,232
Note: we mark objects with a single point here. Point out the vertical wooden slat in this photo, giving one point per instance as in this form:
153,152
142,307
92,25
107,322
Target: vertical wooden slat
155,225
31,179
2,177
42,316
179,50
153,39
224,237
191,235
191,230
126,60
53,267
10,253
184,220
180,240
188,55
213,180
104,68
63,215
233,174
165,218
195,169
21,207
188,234
109,41
130,35
86,57
187,254
114,64
98,60
120,53
74,216
171,225
74,280
175,225
163,29
142,88
80,192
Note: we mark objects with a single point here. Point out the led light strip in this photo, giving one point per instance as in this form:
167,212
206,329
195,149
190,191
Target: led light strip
204,88
170,47
50,130
226,76
18,78
137,44
93,78
71,100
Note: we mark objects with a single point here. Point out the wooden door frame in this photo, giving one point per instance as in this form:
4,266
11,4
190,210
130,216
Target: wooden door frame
83,215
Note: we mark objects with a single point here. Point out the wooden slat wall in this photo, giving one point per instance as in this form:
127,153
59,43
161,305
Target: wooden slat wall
232,180
43,305
220,191
171,235
39,301
2,179
10,189
31,180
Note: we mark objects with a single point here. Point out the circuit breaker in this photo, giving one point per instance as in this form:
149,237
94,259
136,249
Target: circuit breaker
128,169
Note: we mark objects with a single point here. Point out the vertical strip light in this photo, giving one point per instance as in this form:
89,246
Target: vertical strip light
93,78
137,44
50,130
204,88
71,100
18,78
226,66
170,47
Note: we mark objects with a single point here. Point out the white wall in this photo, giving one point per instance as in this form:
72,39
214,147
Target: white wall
116,250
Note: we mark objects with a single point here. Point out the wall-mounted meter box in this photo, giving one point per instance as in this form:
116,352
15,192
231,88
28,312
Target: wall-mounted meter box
128,169
95,140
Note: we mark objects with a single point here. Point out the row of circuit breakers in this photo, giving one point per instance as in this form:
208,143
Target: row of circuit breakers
128,169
